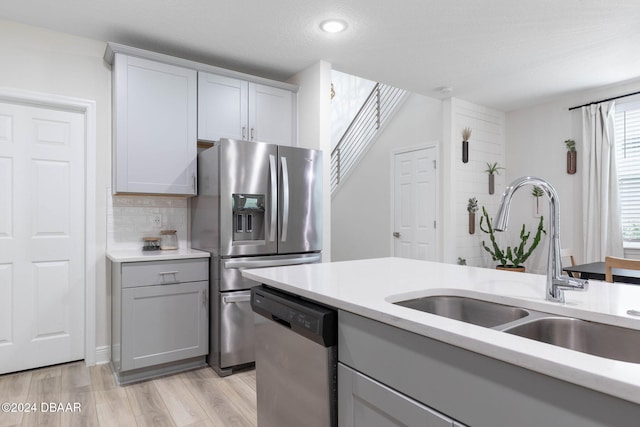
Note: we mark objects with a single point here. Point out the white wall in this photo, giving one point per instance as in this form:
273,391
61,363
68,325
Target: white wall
535,146
314,124
466,180
43,61
350,93
360,210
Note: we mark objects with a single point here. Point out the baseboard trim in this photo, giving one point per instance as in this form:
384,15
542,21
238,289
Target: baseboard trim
103,354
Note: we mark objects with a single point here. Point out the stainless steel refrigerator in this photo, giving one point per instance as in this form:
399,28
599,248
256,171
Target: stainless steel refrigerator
258,205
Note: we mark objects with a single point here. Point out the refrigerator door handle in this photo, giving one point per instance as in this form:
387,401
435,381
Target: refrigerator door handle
271,262
274,202
285,198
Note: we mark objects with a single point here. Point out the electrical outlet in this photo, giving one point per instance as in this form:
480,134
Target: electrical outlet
156,220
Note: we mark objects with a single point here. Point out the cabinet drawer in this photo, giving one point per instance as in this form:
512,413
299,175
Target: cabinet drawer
366,402
164,272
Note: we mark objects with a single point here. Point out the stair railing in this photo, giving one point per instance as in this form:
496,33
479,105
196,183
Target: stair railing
361,133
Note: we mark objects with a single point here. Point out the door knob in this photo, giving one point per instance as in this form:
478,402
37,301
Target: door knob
396,234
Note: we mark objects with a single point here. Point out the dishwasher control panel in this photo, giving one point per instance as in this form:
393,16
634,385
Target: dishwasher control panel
316,322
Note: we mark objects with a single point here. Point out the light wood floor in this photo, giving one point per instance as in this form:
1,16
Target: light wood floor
195,398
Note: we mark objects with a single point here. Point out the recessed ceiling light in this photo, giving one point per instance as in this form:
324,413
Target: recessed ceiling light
333,26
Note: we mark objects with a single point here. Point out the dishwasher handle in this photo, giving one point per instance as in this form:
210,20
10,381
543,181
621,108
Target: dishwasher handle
309,319
281,321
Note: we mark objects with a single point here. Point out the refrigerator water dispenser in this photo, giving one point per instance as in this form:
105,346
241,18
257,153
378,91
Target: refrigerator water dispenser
248,217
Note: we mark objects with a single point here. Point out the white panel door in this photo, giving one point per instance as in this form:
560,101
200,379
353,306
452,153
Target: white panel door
414,198
41,237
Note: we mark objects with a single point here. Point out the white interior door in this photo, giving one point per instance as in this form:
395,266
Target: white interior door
42,194
414,204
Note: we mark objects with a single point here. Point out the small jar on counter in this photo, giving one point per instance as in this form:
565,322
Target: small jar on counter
168,240
151,243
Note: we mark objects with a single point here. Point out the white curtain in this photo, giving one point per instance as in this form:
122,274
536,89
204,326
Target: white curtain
601,226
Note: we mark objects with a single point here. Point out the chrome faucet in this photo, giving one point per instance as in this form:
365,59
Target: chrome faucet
556,282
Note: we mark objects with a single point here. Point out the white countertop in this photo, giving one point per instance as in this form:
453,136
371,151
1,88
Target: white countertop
135,255
368,288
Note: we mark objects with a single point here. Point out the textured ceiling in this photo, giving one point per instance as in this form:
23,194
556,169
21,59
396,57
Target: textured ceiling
504,54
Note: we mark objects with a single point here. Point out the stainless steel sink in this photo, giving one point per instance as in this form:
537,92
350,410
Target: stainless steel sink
475,311
598,339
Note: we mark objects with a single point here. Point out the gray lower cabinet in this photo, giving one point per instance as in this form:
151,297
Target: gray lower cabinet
366,402
402,377
159,317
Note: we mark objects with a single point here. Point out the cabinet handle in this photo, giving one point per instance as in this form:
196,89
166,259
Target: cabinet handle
163,274
252,133
193,182
244,132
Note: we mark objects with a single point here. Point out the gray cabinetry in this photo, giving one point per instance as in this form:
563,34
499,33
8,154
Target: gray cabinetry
160,315
366,402
154,127
233,108
471,388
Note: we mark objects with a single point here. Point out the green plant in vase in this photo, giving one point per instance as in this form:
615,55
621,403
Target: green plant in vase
466,134
572,156
493,170
472,208
537,193
510,257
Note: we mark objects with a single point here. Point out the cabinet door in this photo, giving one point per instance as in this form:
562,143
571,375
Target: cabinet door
222,107
366,402
271,115
164,323
155,145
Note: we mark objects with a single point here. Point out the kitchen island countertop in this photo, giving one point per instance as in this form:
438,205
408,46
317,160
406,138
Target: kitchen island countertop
369,287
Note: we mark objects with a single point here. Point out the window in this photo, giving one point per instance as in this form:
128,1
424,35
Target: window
627,133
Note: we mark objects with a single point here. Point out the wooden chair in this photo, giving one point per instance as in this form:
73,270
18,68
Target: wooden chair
568,254
613,262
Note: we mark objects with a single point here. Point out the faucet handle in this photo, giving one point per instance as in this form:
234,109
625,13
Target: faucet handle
571,283
566,283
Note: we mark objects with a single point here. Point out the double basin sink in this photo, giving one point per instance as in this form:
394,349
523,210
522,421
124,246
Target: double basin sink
598,339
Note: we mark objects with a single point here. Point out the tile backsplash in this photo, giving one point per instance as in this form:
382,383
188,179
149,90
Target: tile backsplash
130,218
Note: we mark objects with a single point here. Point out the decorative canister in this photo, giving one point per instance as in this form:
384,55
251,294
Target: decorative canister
151,243
168,240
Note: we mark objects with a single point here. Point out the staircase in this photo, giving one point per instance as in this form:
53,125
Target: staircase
379,107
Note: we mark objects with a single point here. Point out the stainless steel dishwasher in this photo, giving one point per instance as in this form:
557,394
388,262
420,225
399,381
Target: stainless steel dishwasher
296,360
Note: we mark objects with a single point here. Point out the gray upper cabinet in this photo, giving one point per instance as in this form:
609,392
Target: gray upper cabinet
234,108
223,104
271,115
154,127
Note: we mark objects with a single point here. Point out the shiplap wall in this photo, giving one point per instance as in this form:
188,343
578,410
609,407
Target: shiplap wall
465,180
